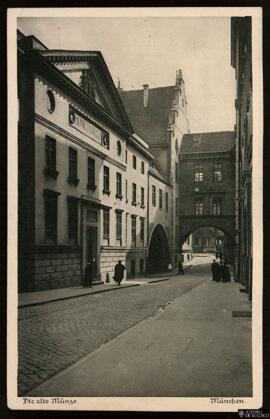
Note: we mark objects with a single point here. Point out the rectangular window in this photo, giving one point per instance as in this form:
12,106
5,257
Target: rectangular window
133,229
176,172
118,225
134,193
160,199
50,153
142,168
134,160
72,165
126,156
198,173
126,191
177,207
216,206
91,173
217,173
106,223
50,215
106,179
118,185
142,197
141,266
198,207
153,195
73,219
132,268
142,229
166,201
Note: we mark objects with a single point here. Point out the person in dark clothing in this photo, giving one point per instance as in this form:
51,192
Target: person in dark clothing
226,276
219,272
90,273
180,267
119,272
214,269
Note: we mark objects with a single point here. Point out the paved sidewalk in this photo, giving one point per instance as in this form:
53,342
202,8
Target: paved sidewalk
193,347
28,299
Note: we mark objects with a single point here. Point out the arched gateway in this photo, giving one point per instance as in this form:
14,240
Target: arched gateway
158,251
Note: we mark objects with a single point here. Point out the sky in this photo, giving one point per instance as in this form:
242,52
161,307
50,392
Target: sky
150,50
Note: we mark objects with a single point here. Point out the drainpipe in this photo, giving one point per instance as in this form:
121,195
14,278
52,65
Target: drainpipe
147,224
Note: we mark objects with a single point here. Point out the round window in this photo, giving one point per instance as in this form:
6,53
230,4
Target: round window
119,148
51,101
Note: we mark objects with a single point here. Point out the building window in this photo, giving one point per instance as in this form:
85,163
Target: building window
141,266
198,173
134,193
73,219
166,202
217,173
142,167
176,172
106,223
50,152
50,101
118,225
50,215
153,195
198,207
134,160
132,267
119,148
126,191
133,229
73,167
177,207
126,156
216,206
119,185
142,229
160,199
106,180
91,174
142,197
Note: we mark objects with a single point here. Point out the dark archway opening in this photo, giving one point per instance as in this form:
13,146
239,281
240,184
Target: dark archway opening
158,254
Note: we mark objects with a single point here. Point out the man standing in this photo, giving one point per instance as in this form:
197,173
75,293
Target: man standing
180,267
119,272
214,269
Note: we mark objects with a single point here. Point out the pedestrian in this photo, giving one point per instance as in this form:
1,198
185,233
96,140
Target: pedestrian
180,267
119,272
219,272
226,276
169,267
214,269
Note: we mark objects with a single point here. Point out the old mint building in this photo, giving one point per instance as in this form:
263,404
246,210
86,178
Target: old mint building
207,179
159,116
241,62
83,173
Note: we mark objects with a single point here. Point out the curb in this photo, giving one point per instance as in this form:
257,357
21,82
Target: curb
76,296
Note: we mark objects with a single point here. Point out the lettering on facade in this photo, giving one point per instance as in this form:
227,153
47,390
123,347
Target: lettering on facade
87,128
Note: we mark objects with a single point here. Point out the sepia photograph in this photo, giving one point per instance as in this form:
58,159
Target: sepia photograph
135,230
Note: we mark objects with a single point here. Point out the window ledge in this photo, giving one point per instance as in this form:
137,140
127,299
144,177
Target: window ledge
91,187
119,196
106,192
142,206
134,203
51,172
73,181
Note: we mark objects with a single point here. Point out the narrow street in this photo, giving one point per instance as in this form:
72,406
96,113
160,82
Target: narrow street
88,346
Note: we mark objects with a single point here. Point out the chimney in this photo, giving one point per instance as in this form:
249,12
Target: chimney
119,88
145,95
179,77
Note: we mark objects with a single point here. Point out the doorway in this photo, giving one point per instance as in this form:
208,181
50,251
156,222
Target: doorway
91,244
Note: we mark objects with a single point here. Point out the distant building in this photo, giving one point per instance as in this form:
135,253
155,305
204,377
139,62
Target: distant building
159,116
208,239
241,62
206,185
83,173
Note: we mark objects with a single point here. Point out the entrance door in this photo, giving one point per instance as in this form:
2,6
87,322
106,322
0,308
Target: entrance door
91,244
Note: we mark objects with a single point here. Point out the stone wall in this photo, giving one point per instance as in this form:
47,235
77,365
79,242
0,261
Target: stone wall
56,268
108,260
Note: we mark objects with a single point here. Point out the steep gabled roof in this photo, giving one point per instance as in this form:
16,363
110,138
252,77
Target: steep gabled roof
151,121
208,142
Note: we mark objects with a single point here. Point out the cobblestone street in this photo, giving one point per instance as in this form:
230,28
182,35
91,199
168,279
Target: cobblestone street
53,336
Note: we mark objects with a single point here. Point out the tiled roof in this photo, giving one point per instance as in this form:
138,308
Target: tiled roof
149,122
208,142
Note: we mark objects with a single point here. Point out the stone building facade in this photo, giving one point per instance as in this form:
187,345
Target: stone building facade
83,172
159,116
207,179
241,61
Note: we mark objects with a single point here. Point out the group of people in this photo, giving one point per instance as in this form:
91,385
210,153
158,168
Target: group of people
220,271
90,273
